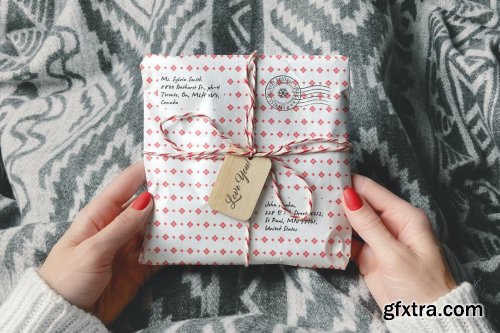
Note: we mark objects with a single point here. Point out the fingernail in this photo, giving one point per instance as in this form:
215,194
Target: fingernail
142,201
352,199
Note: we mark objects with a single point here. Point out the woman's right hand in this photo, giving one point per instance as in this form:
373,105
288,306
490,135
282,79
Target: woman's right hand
401,258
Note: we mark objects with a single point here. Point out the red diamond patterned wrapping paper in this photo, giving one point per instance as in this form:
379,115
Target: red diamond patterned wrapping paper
297,97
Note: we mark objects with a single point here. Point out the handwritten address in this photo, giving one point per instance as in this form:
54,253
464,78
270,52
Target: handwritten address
277,220
174,89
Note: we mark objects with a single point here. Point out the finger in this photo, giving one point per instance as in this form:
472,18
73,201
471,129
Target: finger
378,196
368,224
125,226
366,260
394,212
107,205
128,203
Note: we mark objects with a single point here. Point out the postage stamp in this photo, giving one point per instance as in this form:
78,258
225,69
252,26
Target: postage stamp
284,93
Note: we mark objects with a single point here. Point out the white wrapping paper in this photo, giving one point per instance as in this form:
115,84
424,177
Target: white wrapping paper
296,97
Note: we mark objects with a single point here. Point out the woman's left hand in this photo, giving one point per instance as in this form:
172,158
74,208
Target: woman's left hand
95,264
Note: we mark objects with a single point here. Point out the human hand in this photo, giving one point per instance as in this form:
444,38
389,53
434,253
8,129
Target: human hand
401,259
95,263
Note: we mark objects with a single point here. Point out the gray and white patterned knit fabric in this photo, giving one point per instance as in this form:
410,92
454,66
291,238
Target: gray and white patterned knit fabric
425,122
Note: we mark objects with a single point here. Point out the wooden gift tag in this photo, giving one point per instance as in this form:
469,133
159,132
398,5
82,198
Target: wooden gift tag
238,185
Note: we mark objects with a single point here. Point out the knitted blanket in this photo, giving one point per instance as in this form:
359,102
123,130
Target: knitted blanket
425,120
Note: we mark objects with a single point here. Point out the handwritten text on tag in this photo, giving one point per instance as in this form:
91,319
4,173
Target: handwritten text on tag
238,185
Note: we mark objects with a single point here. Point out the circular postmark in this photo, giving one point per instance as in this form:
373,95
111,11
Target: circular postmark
283,92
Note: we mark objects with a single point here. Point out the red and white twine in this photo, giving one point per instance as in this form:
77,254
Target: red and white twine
250,150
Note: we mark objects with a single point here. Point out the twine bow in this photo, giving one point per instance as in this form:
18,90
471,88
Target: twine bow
250,150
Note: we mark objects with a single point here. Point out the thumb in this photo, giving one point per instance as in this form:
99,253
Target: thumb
368,224
126,225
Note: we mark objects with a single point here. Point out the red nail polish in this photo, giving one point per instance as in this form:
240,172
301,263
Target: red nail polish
142,201
352,199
